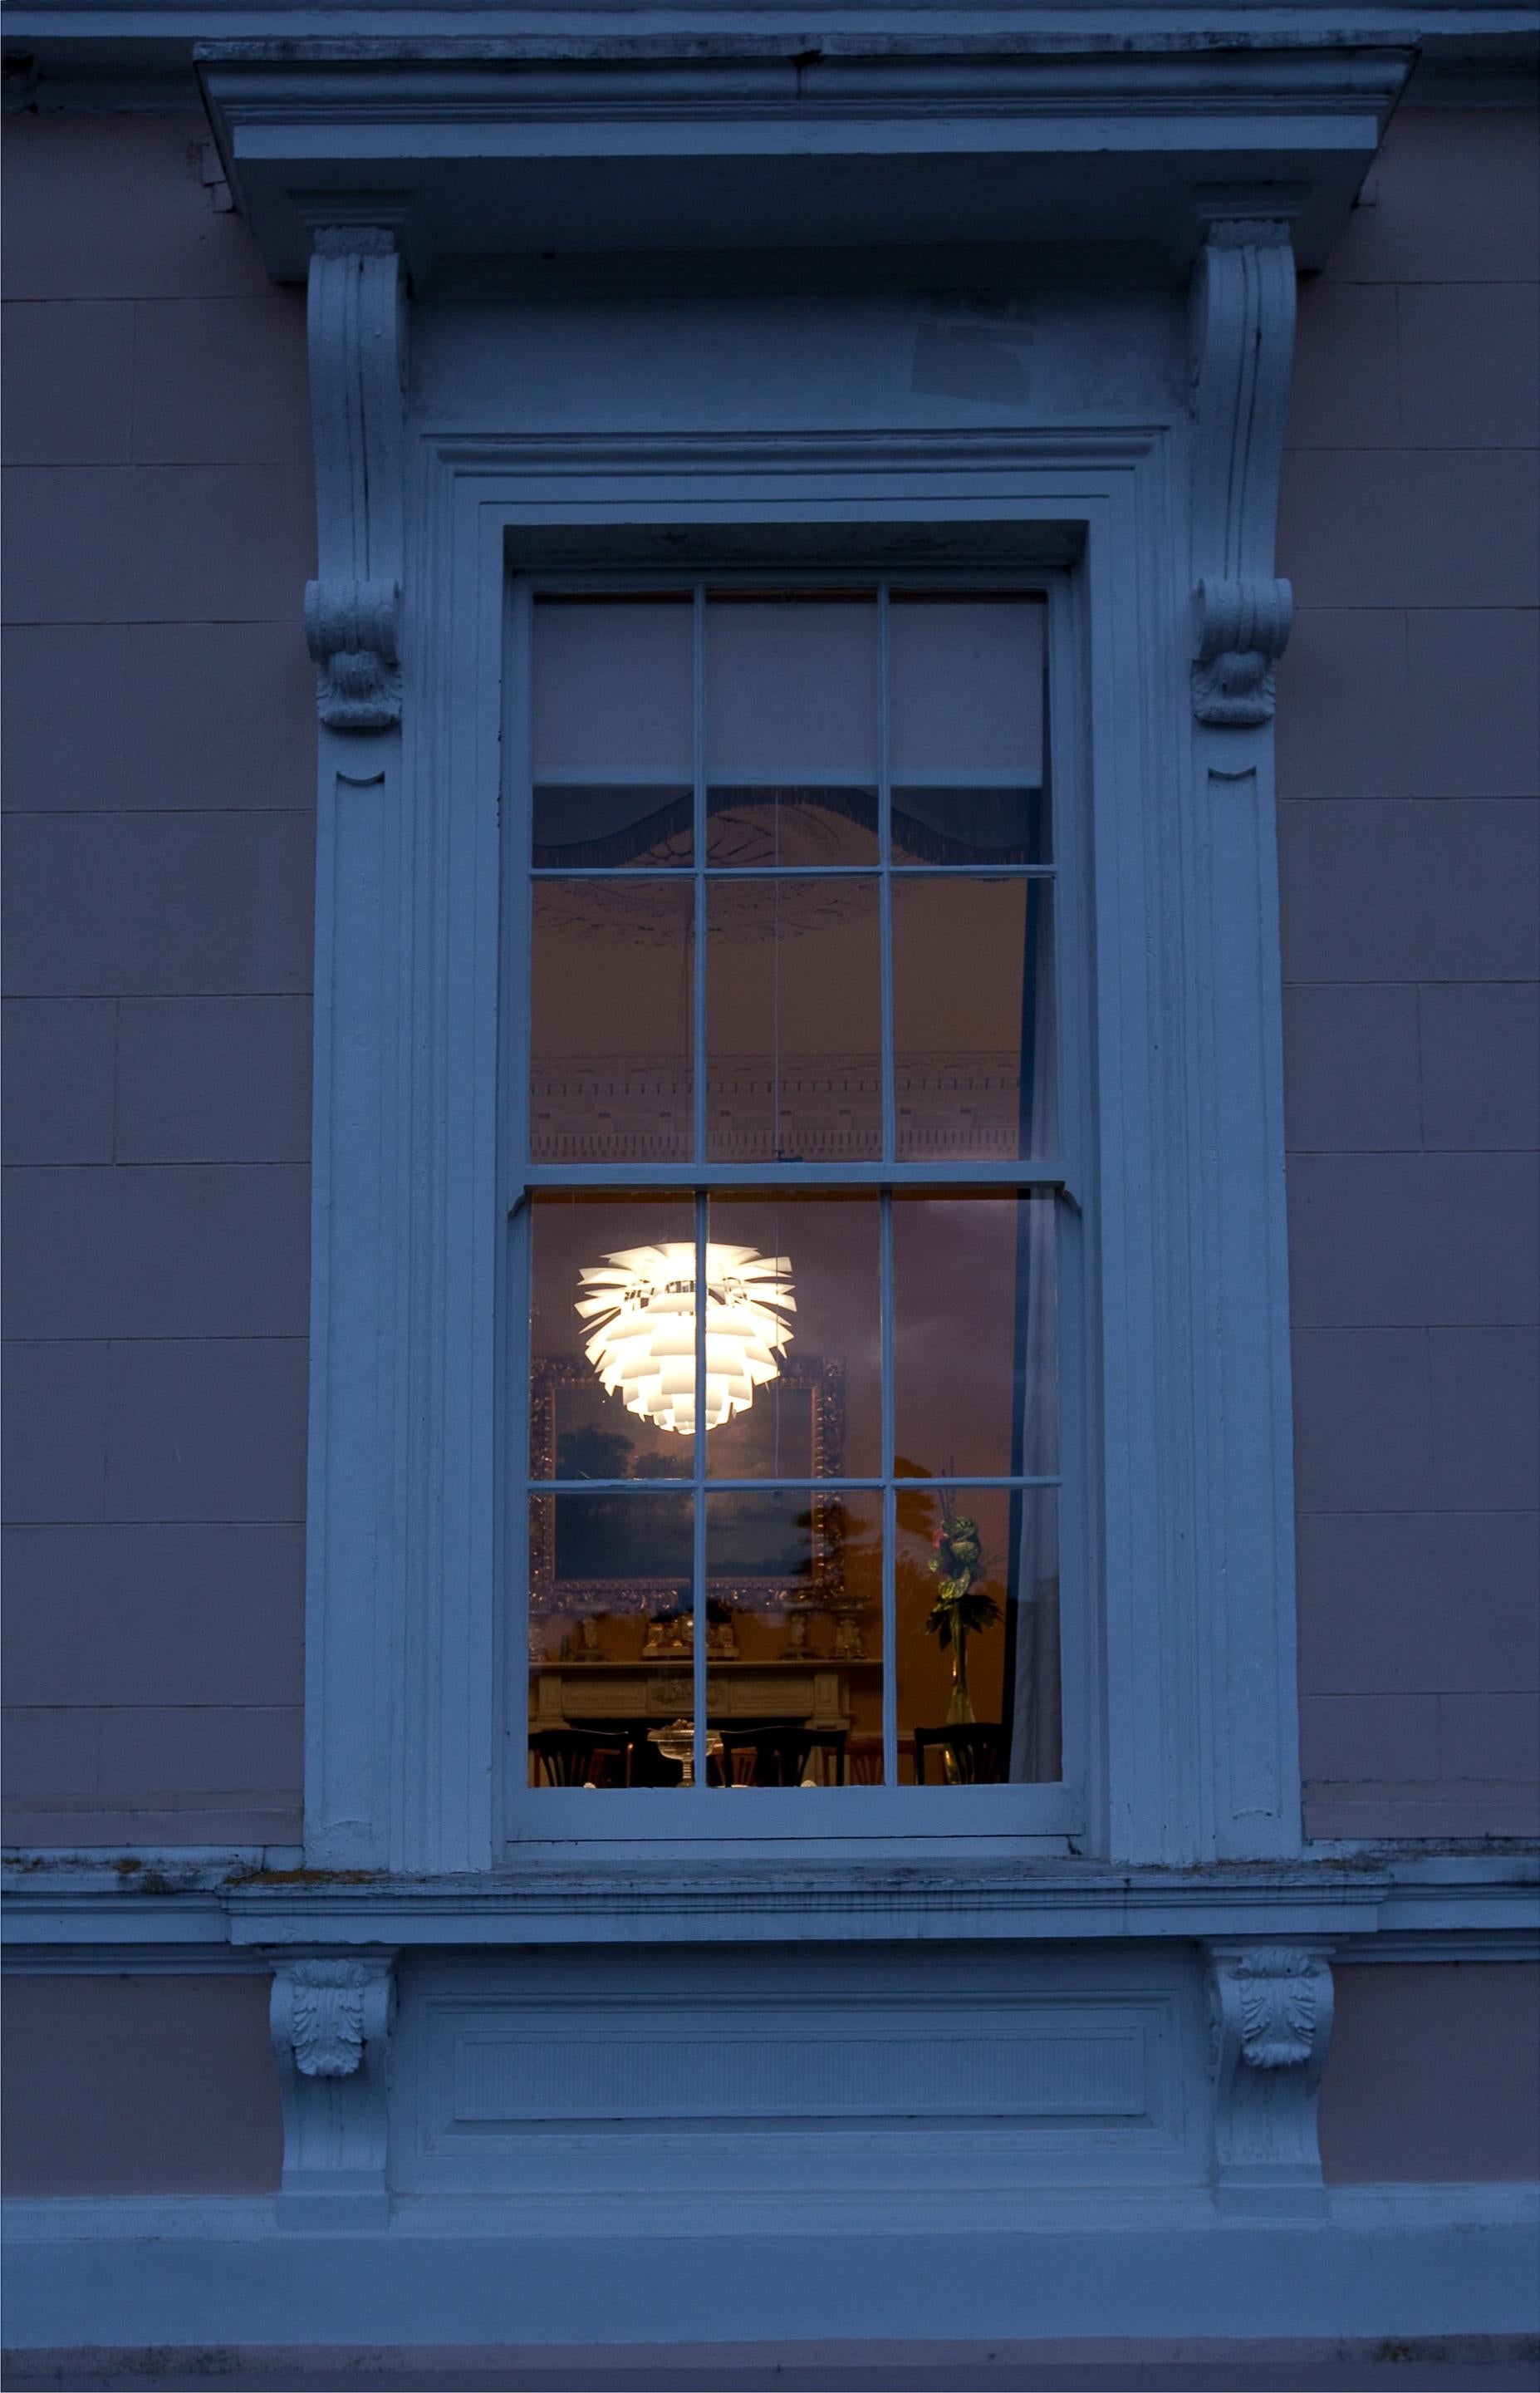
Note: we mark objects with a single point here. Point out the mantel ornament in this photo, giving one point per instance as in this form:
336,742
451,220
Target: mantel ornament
1242,342
358,370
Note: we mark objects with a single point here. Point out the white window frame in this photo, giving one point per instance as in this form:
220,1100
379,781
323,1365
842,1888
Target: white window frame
1189,1667
1039,1817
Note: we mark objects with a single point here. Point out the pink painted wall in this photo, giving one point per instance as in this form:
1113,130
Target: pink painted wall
1409,773
146,2085
1434,2073
159,783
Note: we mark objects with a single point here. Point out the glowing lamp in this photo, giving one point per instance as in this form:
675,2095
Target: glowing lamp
640,1305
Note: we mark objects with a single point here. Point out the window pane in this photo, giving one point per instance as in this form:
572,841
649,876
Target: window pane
791,689
610,1637
614,682
611,1365
963,825
965,681
795,1581
819,1416
583,825
789,824
610,1004
792,1022
975,1336
973,1018
977,1640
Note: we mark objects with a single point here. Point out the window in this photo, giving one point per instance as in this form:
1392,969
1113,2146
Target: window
787,872
1143,499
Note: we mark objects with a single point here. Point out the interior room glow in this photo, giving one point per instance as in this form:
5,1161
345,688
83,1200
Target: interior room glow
642,1303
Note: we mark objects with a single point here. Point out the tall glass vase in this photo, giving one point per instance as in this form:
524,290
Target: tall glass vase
960,1710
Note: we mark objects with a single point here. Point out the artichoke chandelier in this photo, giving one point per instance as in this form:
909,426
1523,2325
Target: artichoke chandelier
640,1304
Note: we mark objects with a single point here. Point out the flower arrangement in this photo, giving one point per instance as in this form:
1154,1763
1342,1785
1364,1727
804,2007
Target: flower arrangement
961,1606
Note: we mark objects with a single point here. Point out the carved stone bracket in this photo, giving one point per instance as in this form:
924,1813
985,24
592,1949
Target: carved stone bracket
358,371
1239,632
330,2024
1270,2014
1242,341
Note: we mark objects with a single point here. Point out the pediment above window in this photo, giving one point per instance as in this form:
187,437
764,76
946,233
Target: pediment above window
1073,148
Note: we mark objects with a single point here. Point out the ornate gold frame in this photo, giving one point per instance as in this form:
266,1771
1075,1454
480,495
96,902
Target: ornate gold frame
825,1376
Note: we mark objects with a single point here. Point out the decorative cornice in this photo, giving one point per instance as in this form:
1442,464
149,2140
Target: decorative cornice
1269,2015
937,134
358,369
1242,325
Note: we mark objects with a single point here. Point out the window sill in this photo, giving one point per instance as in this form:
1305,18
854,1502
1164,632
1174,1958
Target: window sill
1380,1903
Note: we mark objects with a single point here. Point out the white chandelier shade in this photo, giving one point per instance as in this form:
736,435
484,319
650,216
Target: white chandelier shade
640,1306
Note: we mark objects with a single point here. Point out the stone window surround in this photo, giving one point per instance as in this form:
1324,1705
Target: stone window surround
1193,1758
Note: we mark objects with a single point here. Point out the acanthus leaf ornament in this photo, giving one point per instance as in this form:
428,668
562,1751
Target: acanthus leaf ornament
1281,1995
326,2021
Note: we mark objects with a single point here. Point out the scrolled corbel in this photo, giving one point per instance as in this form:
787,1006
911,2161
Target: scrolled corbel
1242,343
358,381
1269,2017
351,629
1240,629
330,2022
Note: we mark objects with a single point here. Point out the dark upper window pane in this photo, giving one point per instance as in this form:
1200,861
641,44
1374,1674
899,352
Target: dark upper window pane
965,683
610,1010
614,687
791,691
973,1018
962,826
754,825
793,1024
581,826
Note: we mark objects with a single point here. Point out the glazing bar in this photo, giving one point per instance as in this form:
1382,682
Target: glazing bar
698,857
964,1178
697,1567
890,1515
793,871
884,858
768,1486
697,1588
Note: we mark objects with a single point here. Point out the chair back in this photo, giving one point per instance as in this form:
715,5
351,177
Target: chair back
575,1757
766,1756
975,1751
